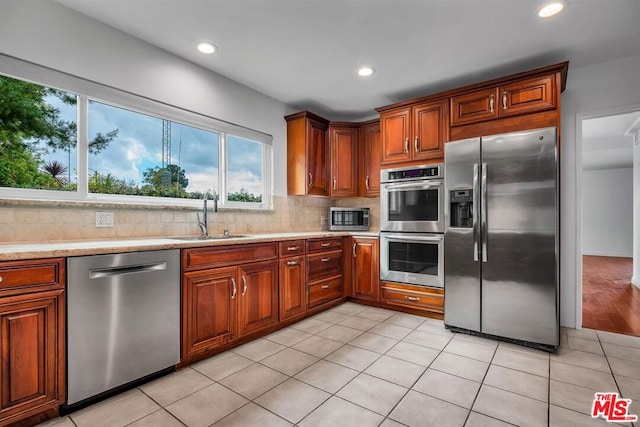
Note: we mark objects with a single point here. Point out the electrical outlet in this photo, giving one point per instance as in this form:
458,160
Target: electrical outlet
104,219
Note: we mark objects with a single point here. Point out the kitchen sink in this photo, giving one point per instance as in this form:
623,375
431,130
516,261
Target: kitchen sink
214,237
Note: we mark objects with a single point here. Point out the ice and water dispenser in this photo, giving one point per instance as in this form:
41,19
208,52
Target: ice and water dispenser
461,208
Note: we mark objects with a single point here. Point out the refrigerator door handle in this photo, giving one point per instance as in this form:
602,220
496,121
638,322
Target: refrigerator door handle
483,212
476,208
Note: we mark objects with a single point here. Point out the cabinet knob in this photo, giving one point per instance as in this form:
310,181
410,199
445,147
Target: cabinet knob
504,100
491,103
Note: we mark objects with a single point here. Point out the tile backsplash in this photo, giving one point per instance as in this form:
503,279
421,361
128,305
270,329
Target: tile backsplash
49,222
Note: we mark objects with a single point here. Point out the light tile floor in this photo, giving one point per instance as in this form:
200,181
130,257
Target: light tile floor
360,366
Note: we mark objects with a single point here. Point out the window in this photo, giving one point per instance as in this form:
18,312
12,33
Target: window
128,153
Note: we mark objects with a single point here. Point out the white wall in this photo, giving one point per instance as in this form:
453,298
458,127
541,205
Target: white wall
49,34
590,90
607,212
635,279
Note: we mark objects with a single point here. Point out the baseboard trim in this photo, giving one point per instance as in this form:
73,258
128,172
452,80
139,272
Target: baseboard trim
607,254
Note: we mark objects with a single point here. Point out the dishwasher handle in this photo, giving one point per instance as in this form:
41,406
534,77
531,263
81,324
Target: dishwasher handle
97,273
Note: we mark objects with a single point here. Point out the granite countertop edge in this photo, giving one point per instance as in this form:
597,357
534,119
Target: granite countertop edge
36,250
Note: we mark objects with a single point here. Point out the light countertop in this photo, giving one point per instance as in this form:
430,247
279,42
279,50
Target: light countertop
19,251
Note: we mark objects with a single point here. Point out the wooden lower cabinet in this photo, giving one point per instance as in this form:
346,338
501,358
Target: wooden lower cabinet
365,268
293,290
415,297
209,309
258,297
324,292
32,340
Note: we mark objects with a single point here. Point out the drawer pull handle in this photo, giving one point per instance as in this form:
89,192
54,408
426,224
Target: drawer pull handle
293,248
296,262
244,285
325,286
354,250
0,279
325,244
504,100
310,180
235,288
491,102
327,259
406,145
412,298
366,182
416,146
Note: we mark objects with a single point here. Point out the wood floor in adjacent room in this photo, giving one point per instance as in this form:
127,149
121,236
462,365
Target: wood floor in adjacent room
609,301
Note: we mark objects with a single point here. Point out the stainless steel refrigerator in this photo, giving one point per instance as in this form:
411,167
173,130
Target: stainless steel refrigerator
501,241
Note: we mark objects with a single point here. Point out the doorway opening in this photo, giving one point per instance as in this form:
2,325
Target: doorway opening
610,222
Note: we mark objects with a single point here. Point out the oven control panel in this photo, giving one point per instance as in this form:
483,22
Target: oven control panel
416,172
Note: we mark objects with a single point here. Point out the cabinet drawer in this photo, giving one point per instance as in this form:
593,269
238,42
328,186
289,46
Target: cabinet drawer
220,256
325,292
414,296
324,265
31,276
527,96
323,245
292,248
474,107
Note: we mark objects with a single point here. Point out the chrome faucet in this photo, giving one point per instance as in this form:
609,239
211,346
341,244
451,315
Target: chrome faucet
203,223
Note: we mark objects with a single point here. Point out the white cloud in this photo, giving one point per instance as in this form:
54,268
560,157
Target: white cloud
202,181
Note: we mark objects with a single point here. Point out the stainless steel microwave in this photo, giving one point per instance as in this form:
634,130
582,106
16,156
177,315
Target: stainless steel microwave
348,219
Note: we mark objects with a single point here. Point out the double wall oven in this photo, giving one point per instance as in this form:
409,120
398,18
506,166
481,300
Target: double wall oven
412,225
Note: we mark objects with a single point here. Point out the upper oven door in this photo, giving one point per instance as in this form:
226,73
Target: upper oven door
414,206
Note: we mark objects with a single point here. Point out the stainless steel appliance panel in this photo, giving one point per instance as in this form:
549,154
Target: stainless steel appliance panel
123,319
414,258
461,245
519,242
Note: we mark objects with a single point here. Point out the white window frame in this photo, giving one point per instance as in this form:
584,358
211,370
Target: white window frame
90,91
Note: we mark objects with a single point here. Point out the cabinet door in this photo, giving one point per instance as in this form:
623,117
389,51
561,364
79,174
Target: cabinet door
31,372
527,96
317,157
344,161
395,127
370,151
430,129
257,297
292,287
366,268
209,309
474,107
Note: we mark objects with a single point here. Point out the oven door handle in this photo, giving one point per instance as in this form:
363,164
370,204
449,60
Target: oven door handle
399,238
421,185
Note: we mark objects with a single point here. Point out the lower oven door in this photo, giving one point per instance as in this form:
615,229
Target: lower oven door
413,258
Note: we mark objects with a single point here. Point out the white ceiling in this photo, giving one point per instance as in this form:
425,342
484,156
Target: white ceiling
604,143
305,52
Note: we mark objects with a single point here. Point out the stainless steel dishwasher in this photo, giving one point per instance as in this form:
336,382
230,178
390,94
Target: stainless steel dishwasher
123,319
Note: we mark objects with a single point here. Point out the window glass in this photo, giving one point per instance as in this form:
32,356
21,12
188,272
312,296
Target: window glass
37,136
245,175
149,156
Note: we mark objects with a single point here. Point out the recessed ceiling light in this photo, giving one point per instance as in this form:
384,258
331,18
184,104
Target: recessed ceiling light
365,71
206,47
551,9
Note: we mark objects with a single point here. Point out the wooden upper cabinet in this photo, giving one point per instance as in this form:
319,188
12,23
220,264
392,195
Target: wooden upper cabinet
430,126
416,133
343,141
395,127
474,107
257,297
370,150
307,155
527,96
510,99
